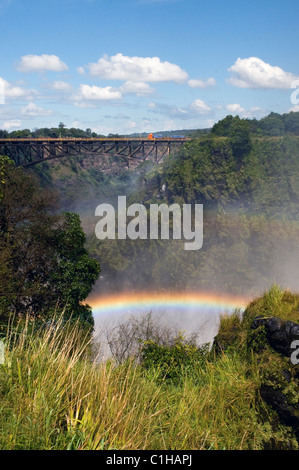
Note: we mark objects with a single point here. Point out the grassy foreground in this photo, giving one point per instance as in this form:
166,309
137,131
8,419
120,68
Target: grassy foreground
53,396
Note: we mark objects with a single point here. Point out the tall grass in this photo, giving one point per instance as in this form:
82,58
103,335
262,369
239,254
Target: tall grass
53,396
275,302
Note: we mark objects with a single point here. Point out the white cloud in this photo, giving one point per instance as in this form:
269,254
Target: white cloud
256,113
131,125
104,130
12,92
87,95
197,107
167,125
88,92
169,110
138,88
77,124
137,69
8,125
41,63
33,110
61,86
255,73
200,107
210,82
235,109
81,70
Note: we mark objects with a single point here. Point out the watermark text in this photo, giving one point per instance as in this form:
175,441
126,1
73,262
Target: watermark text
295,354
187,222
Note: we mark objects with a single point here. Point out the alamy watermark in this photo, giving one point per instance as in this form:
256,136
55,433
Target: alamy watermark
143,226
295,354
295,94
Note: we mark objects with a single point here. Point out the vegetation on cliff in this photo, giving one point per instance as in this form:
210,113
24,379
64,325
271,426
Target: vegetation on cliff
250,197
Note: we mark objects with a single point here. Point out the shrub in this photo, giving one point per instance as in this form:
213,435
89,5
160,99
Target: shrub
174,361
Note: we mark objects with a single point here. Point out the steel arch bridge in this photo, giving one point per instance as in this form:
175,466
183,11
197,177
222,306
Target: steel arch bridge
27,152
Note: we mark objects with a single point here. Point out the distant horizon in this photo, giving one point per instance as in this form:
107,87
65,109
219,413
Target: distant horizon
154,131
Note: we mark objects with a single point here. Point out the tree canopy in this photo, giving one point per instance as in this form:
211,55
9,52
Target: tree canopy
44,265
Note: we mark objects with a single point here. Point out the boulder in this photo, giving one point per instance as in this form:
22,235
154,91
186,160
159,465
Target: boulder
280,334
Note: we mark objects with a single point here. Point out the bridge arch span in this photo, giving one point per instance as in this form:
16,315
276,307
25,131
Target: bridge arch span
28,152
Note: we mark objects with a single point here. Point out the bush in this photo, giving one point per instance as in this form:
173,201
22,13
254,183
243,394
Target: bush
173,362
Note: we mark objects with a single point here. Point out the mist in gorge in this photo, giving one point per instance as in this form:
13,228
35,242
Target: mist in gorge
243,268
249,188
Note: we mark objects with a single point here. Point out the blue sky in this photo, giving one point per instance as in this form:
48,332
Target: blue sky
123,66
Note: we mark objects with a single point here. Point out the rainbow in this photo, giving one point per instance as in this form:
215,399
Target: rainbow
140,301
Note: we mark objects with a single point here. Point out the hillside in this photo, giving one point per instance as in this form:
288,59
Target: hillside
250,220
247,180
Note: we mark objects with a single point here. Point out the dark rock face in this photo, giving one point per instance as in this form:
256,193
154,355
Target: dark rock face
288,414
282,382
280,334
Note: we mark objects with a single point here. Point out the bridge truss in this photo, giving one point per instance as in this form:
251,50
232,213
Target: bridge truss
28,152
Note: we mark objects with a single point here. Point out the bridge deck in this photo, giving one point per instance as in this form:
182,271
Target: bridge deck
94,139
28,151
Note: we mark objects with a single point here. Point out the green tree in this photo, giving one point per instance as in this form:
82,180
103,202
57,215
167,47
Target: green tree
74,272
222,128
291,121
62,129
22,134
272,125
240,139
43,259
